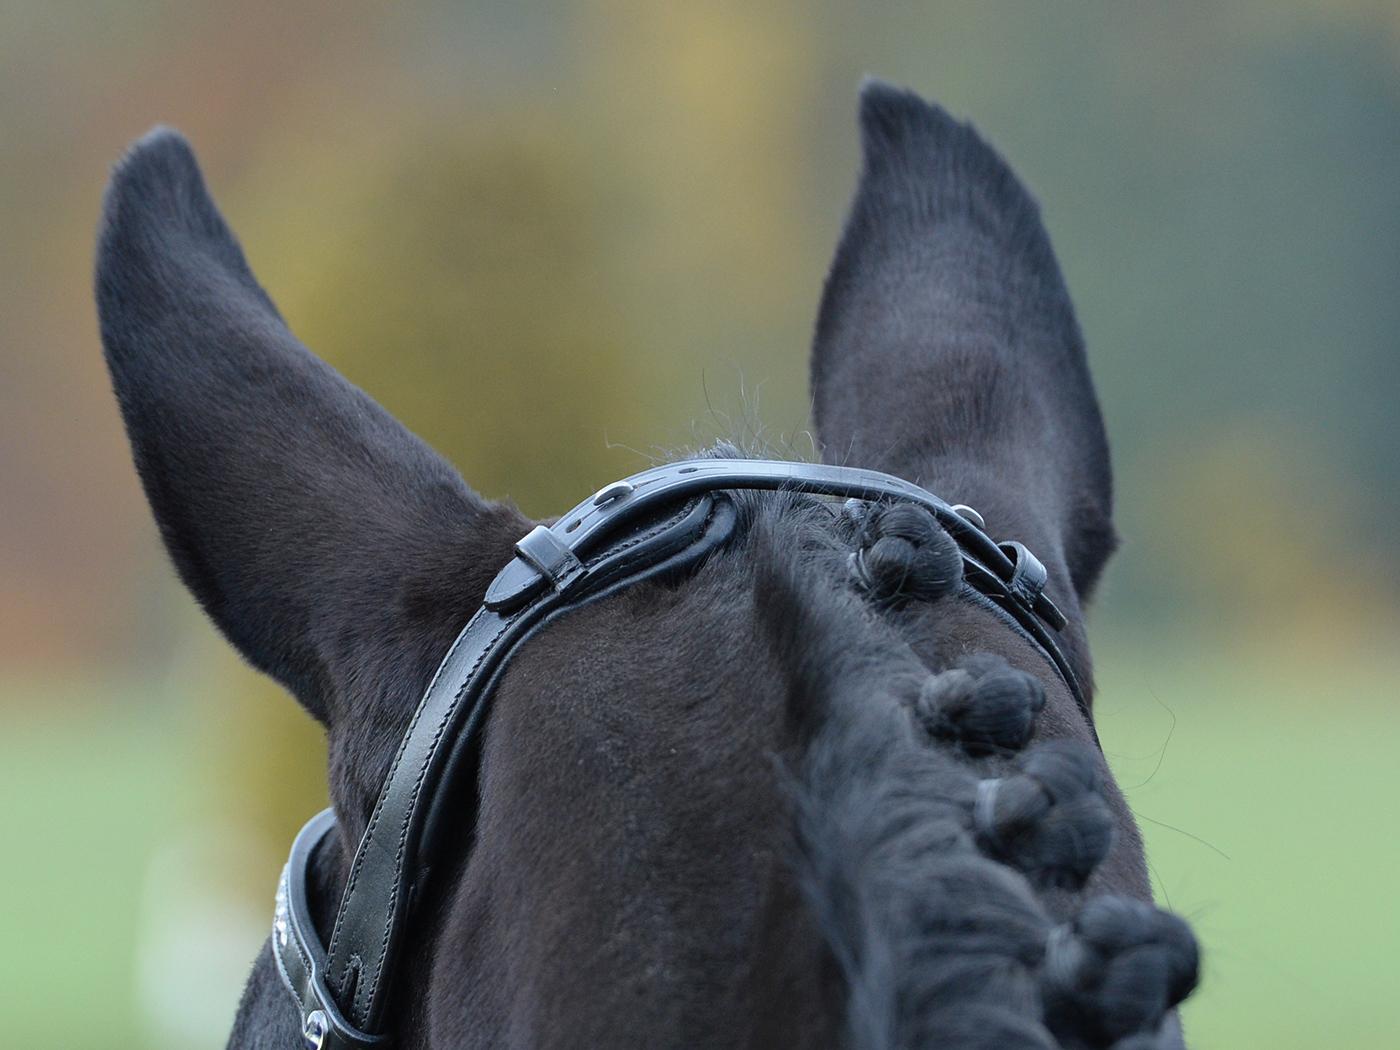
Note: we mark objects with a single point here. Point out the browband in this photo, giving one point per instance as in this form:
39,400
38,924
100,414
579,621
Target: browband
653,524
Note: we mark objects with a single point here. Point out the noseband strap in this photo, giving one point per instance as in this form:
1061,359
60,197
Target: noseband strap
654,524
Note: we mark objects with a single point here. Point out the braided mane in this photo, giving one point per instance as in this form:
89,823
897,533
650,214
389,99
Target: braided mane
921,868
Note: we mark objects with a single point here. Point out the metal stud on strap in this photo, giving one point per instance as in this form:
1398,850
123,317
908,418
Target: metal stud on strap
313,1033
967,513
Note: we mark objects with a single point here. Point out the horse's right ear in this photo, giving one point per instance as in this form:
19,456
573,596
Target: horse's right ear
946,347
332,547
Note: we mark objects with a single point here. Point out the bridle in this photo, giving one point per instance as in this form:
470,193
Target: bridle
651,525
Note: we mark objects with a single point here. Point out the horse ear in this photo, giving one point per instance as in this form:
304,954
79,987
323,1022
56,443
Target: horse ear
946,347
326,541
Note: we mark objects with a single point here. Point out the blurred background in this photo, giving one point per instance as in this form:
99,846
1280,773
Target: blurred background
556,240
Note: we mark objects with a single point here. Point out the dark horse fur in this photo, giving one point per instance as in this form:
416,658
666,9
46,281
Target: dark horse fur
781,803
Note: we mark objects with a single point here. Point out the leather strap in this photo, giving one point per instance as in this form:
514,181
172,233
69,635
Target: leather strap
342,990
606,509
1007,573
658,521
299,953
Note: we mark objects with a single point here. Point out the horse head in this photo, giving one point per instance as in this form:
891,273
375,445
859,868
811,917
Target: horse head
810,789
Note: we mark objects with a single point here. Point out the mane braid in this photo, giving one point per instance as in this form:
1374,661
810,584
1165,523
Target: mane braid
936,944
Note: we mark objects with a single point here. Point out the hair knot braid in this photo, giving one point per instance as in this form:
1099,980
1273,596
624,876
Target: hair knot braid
1111,975
903,553
984,705
1049,820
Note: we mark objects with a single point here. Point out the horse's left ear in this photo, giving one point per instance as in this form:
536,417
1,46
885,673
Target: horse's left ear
329,544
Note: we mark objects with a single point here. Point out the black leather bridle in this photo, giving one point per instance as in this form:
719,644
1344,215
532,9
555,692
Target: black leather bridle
652,524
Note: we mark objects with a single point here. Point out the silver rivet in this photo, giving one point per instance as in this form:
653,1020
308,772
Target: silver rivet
313,1033
616,490
965,512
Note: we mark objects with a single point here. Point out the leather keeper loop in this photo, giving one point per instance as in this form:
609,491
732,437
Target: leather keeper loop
546,552
1028,574
1028,579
